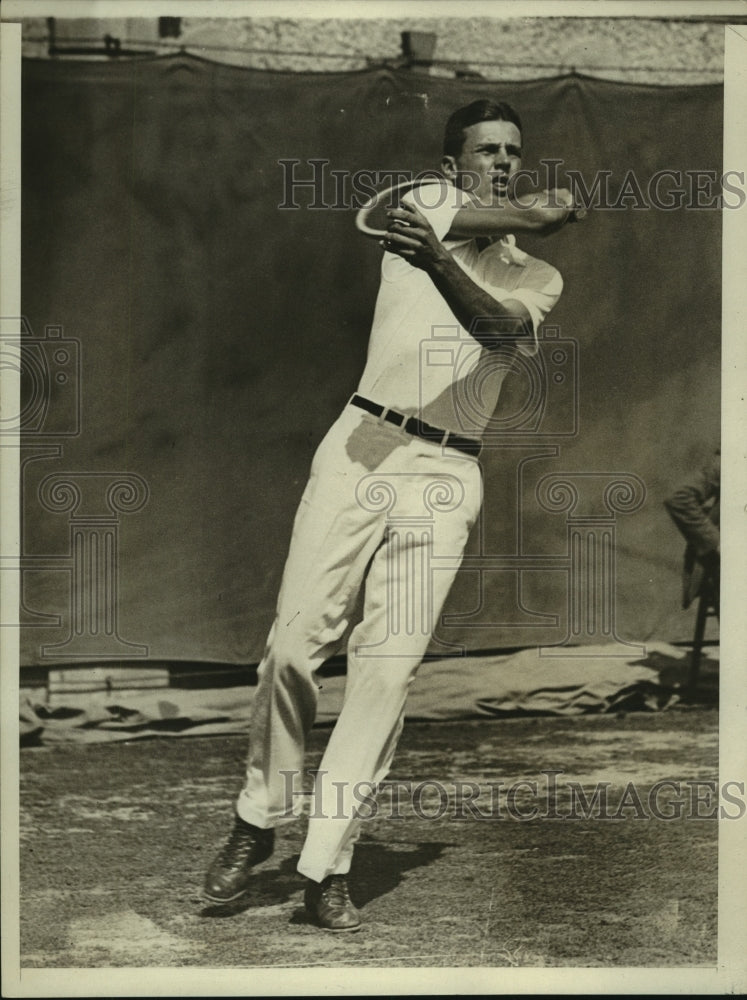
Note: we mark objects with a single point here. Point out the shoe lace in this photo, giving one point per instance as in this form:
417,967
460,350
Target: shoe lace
237,847
336,891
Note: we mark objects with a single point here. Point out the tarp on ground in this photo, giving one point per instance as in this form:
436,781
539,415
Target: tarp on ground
586,680
199,340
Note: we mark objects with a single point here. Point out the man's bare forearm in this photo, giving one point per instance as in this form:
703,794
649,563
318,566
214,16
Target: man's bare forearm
412,237
469,303
499,220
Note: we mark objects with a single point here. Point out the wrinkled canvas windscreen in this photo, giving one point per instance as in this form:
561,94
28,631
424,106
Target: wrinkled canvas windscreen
209,338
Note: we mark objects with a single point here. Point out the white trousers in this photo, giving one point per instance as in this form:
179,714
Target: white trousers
393,511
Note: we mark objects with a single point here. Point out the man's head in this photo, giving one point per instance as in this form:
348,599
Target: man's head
482,148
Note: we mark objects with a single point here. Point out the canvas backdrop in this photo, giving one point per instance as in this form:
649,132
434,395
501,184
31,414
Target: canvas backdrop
218,336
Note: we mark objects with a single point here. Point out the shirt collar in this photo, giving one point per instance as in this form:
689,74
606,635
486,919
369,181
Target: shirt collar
509,253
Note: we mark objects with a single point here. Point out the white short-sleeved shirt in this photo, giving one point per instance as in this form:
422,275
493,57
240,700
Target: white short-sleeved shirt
420,360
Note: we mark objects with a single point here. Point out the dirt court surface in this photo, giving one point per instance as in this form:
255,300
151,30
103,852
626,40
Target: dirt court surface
115,840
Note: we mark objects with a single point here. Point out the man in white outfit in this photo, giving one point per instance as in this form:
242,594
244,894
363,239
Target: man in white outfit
394,489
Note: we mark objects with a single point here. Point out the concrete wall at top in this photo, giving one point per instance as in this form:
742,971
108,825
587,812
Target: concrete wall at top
630,49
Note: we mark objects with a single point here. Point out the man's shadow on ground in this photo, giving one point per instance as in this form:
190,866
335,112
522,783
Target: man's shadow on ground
378,868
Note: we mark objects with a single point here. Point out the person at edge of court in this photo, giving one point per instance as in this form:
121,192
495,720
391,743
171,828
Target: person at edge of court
404,446
695,507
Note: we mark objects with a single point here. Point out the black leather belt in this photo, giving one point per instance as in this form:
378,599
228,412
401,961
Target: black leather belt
419,428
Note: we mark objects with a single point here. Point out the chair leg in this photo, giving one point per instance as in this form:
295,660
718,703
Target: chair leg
700,621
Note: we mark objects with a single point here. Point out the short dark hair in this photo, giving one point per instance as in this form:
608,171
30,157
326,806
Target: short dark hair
478,111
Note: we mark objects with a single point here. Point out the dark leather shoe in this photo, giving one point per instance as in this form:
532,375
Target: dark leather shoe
329,903
229,875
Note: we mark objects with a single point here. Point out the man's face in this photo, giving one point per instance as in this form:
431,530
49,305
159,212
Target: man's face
491,154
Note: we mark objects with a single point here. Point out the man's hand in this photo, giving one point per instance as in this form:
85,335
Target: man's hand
411,236
556,206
